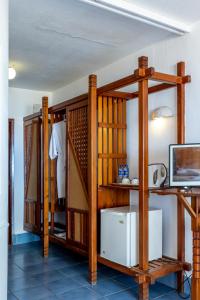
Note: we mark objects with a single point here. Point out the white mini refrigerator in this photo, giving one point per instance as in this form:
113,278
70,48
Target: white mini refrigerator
120,234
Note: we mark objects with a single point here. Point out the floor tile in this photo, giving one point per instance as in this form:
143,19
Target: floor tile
108,272
23,282
64,275
39,268
107,287
11,296
63,285
83,278
159,289
127,280
36,293
81,293
15,272
129,294
172,296
47,277
75,270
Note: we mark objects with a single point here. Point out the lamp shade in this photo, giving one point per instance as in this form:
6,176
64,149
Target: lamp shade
11,73
162,112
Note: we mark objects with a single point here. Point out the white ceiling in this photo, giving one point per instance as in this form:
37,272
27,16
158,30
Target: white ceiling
54,42
186,11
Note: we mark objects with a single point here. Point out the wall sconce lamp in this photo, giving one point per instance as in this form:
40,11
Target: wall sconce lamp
11,73
162,112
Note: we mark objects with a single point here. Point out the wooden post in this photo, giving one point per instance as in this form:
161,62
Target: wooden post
92,176
143,178
180,207
196,250
45,175
53,183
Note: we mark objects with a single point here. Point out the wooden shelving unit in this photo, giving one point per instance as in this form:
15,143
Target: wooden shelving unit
109,122
107,149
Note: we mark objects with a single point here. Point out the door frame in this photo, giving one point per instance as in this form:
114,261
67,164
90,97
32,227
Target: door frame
10,176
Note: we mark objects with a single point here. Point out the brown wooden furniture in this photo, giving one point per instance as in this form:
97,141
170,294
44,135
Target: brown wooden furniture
32,173
109,122
75,115
106,148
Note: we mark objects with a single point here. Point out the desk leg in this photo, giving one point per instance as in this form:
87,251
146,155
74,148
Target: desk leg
196,266
196,250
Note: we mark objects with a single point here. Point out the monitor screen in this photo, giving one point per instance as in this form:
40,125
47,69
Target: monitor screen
185,165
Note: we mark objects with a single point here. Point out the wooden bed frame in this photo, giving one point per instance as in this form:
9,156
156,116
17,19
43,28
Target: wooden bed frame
106,149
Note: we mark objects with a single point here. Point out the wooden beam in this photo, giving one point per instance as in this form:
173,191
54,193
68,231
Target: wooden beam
180,140
32,116
64,104
174,79
154,89
143,179
125,81
118,94
45,123
53,182
92,176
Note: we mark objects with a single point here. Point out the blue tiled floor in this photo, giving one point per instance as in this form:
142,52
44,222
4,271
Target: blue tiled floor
63,276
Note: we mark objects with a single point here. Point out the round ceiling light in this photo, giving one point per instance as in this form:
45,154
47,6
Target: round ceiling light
11,73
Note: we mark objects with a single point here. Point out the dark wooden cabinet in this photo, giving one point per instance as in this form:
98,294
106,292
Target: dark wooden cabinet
32,175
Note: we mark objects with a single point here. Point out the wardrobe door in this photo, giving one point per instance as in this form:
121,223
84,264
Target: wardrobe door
32,175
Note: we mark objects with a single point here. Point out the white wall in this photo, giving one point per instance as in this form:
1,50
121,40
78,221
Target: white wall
3,147
20,105
163,56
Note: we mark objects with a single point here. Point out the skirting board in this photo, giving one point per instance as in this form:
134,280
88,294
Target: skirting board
24,238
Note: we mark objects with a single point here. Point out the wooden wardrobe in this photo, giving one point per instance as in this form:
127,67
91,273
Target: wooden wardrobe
75,115
32,173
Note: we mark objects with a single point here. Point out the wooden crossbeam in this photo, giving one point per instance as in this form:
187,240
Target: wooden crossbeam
154,89
125,81
173,79
118,94
128,96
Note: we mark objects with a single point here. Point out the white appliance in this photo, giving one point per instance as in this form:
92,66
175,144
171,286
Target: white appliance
120,234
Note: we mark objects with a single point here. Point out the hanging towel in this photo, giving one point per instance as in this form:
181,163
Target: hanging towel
57,149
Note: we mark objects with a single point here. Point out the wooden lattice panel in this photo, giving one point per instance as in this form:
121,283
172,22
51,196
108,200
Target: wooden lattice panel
111,137
28,141
78,129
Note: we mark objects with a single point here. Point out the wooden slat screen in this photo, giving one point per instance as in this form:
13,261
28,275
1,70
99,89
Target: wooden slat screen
111,137
78,129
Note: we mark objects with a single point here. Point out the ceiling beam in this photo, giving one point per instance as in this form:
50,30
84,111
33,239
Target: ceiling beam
143,15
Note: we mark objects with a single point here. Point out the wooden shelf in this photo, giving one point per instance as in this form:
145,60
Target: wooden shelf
120,186
193,192
157,268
